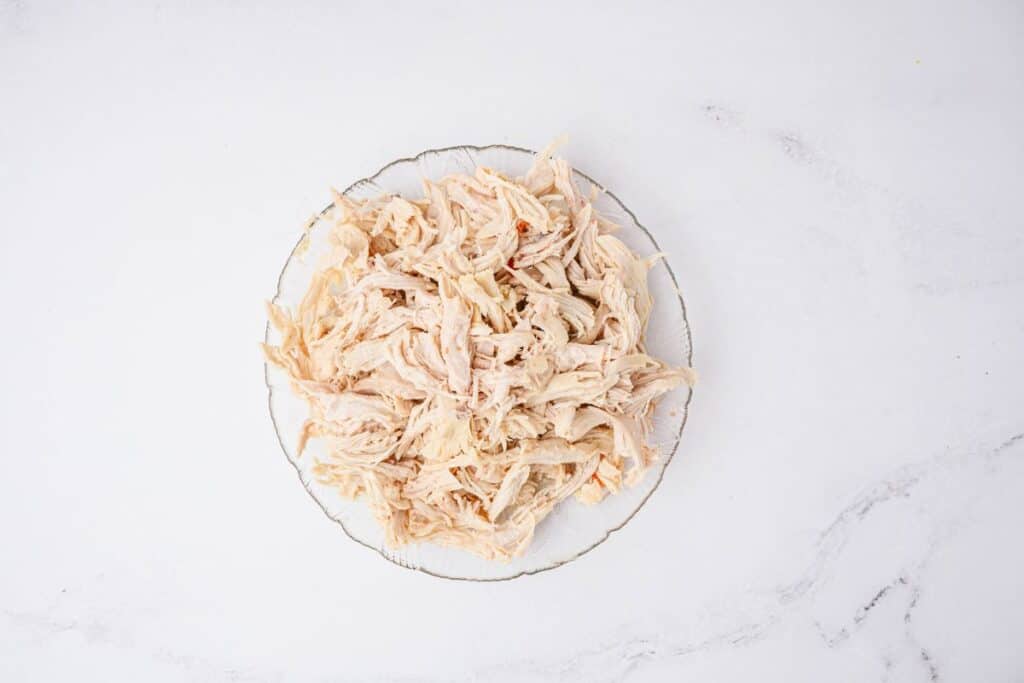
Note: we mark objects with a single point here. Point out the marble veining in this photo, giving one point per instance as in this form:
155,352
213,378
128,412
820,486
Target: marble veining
616,661
837,191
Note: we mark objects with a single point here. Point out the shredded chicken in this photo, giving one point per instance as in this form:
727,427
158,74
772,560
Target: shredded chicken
472,358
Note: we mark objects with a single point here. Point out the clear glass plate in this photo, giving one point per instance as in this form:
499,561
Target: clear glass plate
571,529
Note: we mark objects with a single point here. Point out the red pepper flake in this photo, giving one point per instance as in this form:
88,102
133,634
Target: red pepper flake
522,226
511,263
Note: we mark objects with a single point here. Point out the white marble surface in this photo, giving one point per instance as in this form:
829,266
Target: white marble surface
838,186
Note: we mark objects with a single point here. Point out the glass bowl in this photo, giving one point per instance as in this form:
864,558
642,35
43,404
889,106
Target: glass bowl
572,528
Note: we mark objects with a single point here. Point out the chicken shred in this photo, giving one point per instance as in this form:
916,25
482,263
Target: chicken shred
473,358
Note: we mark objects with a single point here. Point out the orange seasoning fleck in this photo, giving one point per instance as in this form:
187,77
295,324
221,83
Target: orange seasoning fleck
522,226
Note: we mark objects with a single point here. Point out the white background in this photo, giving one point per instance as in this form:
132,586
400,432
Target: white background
838,187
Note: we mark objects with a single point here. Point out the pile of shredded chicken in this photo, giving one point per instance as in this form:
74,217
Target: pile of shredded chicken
474,357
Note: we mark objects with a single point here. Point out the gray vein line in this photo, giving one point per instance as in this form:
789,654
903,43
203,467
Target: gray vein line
933,671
